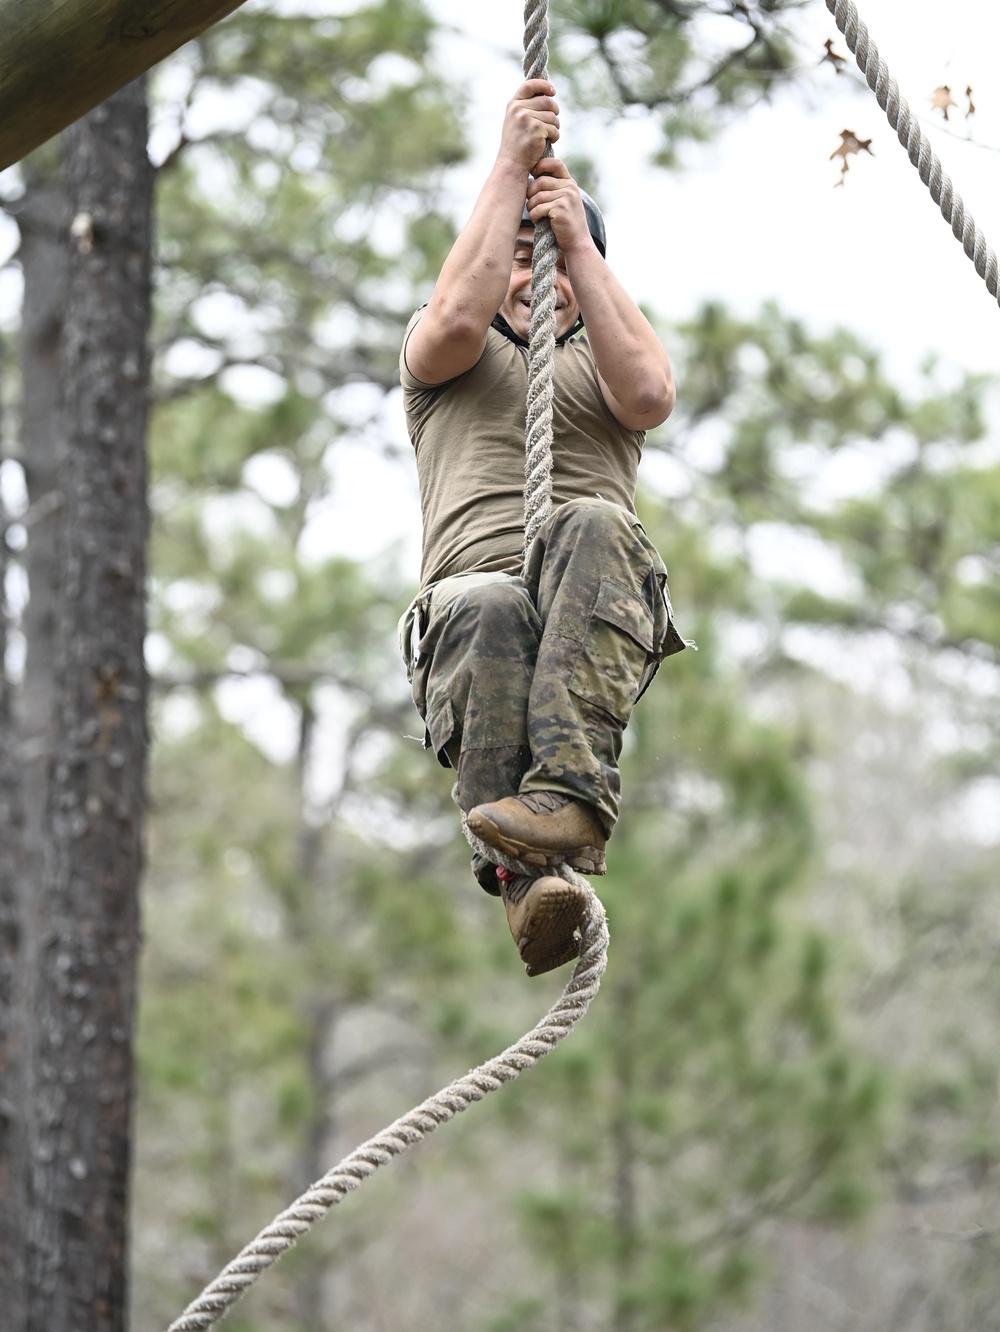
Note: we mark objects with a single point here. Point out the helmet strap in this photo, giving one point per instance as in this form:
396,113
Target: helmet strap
501,326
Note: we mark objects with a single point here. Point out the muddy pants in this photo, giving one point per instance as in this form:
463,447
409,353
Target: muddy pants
527,682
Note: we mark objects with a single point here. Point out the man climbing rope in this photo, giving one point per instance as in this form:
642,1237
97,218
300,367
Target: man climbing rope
525,666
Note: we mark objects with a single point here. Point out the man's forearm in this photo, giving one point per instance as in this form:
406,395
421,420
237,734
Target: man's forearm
631,361
473,280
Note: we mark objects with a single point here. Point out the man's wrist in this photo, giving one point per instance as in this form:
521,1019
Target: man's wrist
509,167
582,247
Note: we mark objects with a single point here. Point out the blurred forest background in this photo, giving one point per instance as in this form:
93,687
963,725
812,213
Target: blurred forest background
781,1112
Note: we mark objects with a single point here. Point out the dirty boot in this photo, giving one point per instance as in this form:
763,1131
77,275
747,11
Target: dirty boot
543,828
544,915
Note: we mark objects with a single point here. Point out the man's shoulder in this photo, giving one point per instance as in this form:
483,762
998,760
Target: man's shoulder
496,352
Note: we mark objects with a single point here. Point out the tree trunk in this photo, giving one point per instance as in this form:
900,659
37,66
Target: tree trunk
57,61
43,222
13,1195
86,954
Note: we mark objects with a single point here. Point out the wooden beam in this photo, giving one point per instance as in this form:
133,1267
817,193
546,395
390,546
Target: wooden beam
60,58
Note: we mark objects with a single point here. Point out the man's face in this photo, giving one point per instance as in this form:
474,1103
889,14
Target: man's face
516,308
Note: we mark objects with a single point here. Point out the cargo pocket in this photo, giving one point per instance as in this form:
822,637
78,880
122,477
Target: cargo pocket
617,646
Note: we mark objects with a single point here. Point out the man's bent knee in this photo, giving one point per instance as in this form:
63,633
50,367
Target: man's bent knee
496,610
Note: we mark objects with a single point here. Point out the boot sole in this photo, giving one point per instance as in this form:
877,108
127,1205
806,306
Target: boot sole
584,859
548,939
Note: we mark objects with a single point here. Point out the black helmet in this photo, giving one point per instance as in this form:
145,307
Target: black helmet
595,222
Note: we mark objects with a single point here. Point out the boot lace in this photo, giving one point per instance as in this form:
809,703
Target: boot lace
544,802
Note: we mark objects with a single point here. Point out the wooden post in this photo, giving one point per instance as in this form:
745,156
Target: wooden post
61,58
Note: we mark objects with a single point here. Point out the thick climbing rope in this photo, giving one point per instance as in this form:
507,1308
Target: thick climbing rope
915,141
541,361
542,332
290,1225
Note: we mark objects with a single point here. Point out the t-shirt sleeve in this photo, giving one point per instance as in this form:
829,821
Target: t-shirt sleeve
408,380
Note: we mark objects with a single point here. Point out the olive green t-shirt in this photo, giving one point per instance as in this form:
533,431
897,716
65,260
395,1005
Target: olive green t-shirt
468,436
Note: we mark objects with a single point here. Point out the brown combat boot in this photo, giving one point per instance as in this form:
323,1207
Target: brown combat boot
544,915
543,828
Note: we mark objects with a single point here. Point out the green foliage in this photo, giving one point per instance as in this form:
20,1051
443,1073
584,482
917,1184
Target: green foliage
788,416
692,64
291,239
713,1087
719,1084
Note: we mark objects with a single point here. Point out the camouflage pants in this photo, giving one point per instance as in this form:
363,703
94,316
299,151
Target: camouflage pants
527,682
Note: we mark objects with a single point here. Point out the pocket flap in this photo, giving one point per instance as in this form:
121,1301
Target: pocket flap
620,606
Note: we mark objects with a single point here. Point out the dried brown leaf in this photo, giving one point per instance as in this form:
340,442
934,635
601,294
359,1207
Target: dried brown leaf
941,99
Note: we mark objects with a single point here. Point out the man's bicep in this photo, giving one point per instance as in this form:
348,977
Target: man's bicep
434,353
